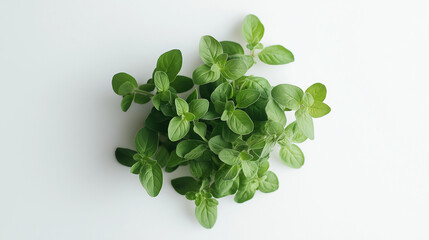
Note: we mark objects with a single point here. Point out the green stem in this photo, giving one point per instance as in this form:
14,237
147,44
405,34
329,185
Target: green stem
143,92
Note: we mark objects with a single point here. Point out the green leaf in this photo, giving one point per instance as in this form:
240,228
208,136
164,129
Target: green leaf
240,122
257,83
178,128
206,212
252,29
234,69
156,100
318,91
135,169
162,156
246,190
222,93
121,78
126,102
288,95
276,55
161,81
182,185
182,84
151,178
247,59
243,154
275,113
148,87
146,142
318,109
170,62
200,169
231,48
199,107
250,168
292,156
203,75
224,187
196,152
174,160
186,146
189,116
247,97
125,156
181,106
192,96
126,88
217,144
294,133
221,60
229,156
305,123
274,128
200,128
268,183
231,172
209,49
307,100
141,98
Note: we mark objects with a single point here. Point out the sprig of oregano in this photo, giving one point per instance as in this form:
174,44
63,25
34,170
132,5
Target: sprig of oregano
225,129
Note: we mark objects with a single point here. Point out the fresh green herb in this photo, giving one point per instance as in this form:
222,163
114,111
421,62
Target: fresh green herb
225,129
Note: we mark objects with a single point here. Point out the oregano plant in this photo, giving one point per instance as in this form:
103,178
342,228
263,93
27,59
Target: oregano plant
223,130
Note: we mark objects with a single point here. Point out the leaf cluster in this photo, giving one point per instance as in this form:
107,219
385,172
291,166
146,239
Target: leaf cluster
225,129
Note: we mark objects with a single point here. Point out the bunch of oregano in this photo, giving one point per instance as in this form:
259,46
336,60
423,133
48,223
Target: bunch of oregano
225,129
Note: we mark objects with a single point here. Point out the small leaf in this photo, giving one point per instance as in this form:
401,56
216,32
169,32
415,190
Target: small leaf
192,96
217,144
170,62
186,146
182,84
146,142
199,107
305,123
151,178
318,91
231,172
178,128
135,169
270,183
206,212
276,55
292,156
240,122
247,97
161,81
200,128
196,152
189,116
125,156
318,109
203,75
229,156
181,106
234,69
294,133
288,95
246,190
141,98
162,156
252,29
231,48
126,88
209,49
120,78
307,100
183,185
250,168
126,102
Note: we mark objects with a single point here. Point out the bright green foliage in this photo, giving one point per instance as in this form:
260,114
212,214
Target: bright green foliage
225,129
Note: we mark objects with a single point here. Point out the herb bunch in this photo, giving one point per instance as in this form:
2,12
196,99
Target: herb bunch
225,129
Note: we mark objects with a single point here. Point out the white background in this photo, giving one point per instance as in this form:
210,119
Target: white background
366,174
